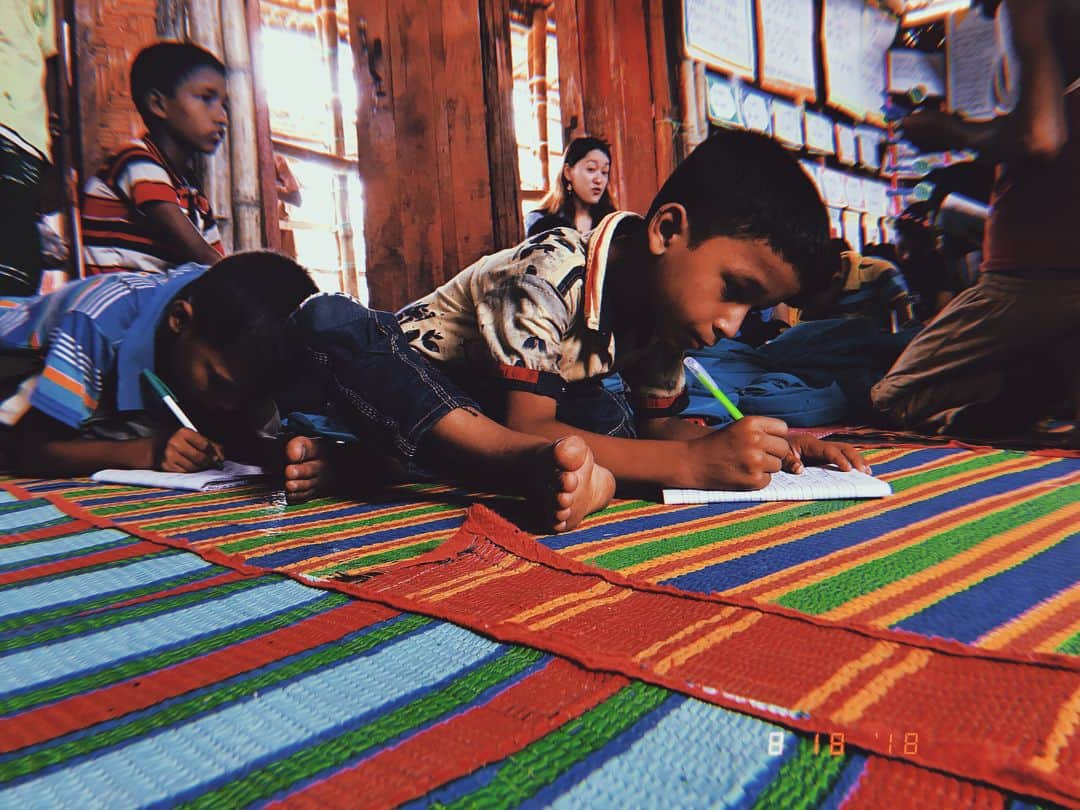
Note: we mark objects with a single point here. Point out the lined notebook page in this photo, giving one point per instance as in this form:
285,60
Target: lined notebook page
812,484
230,475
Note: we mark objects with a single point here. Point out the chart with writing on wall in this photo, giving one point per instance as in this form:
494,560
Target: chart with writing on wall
721,33
786,48
855,37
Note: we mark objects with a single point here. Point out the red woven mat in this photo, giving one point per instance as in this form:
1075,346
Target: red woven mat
1011,721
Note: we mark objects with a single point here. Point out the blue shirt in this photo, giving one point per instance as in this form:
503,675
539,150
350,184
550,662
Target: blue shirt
95,336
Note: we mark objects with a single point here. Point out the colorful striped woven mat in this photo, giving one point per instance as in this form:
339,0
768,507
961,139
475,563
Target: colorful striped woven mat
978,546
135,674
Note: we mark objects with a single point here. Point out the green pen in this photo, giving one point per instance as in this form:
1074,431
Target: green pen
705,379
167,397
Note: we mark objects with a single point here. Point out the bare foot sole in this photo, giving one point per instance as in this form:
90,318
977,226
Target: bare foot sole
580,486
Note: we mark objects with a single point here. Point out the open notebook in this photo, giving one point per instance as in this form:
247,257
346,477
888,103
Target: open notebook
230,475
812,484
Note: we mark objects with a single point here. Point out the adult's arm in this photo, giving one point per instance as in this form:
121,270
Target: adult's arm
1036,129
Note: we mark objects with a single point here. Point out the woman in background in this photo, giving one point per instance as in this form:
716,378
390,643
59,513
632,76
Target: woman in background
583,195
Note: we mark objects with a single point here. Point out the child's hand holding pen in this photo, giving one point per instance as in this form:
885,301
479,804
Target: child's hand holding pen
186,450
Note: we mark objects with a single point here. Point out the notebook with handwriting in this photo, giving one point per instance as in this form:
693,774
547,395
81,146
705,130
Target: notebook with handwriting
812,484
230,475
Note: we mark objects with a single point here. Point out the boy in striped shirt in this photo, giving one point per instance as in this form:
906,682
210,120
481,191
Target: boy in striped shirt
234,343
144,211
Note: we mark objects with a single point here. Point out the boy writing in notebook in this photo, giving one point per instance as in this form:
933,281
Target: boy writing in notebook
533,330
226,341
144,211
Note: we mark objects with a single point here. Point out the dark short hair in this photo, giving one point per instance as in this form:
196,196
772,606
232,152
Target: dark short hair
745,185
241,304
164,66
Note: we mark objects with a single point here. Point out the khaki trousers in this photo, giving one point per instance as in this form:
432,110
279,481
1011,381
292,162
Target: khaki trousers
999,356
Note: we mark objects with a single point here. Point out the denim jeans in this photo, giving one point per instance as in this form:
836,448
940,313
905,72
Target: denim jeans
358,370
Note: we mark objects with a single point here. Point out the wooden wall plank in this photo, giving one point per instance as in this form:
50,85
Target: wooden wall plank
635,109
657,28
109,33
369,25
571,103
416,110
267,175
469,196
497,68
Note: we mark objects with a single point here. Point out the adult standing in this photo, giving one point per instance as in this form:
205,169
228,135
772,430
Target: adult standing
1002,353
582,197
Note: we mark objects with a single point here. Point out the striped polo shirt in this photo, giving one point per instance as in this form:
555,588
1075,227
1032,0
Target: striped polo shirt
116,233
95,336
532,316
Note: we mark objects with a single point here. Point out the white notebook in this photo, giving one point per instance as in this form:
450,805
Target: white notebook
230,475
812,484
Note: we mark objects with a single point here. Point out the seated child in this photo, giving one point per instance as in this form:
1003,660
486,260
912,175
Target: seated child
220,339
144,211
533,330
866,287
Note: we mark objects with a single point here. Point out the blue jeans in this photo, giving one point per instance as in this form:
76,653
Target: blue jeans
358,369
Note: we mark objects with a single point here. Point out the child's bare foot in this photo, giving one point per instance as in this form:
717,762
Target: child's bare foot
306,469
581,486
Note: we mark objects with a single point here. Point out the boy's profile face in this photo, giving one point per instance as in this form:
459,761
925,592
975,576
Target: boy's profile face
703,293
197,113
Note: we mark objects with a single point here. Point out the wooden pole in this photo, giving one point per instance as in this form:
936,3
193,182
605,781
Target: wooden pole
326,25
265,152
663,113
243,143
67,170
538,86
204,29
502,142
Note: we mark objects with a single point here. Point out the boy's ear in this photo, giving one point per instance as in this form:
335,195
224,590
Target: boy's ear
668,224
155,103
179,316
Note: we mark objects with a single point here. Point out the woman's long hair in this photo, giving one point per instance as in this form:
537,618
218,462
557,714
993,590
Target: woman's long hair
560,200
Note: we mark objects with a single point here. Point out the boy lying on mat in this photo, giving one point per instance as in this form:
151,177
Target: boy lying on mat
73,397
533,331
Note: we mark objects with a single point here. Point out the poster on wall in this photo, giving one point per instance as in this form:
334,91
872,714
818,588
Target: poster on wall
786,48
852,228
722,101
853,192
819,133
756,109
834,184
847,148
907,70
787,123
836,222
870,141
855,37
721,33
